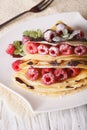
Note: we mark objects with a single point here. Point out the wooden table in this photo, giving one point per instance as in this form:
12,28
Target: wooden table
11,118
72,119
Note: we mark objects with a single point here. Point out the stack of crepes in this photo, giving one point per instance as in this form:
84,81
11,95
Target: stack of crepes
55,65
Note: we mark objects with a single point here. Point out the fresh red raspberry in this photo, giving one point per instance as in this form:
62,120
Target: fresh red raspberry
80,35
72,72
10,49
60,28
48,78
60,74
43,49
25,39
77,34
54,51
32,47
46,70
16,65
80,50
49,35
33,73
66,49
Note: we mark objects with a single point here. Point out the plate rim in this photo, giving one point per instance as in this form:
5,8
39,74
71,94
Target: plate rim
14,28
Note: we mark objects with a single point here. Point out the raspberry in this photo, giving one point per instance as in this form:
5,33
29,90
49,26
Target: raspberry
10,49
66,49
46,70
80,35
25,39
48,78
33,73
32,47
72,72
16,65
54,51
43,49
80,50
60,74
49,35
60,28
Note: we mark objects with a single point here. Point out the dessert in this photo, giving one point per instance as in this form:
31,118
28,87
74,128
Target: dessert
53,62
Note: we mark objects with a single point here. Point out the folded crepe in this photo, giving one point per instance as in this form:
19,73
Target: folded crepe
67,86
70,85
39,61
78,63
71,38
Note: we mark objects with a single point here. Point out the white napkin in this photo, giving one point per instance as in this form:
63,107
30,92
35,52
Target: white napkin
16,103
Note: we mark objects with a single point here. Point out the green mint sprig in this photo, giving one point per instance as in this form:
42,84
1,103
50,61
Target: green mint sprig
18,48
33,34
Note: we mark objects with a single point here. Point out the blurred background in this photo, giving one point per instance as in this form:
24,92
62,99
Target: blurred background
10,8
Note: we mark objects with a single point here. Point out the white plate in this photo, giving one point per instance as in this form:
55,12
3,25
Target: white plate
40,103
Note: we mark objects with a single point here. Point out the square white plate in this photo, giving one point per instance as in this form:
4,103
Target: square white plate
40,103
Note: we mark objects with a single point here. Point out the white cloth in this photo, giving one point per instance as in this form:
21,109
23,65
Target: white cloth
12,106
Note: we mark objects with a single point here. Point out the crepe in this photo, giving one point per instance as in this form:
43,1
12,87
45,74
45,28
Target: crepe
54,64
48,57
40,61
69,85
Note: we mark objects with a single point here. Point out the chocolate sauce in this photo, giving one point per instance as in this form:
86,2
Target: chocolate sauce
73,63
82,39
17,56
54,63
69,87
22,82
30,63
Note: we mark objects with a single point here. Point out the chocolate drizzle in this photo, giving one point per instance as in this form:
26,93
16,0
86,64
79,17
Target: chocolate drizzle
81,40
73,63
69,87
54,63
30,63
22,82
17,56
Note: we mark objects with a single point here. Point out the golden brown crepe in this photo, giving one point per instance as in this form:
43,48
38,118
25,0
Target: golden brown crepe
55,64
48,57
68,86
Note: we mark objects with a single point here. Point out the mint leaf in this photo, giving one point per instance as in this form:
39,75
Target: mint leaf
39,33
34,34
16,52
18,48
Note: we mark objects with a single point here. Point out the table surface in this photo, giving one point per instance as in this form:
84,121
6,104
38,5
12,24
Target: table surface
72,119
13,118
